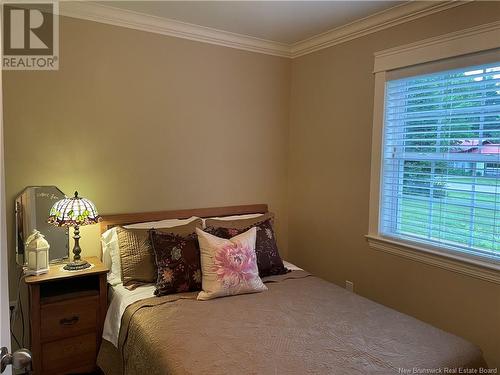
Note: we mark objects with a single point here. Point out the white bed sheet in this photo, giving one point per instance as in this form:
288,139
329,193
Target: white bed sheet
121,298
291,266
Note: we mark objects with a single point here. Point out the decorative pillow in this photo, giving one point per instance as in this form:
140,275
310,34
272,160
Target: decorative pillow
137,257
111,250
228,266
269,261
177,261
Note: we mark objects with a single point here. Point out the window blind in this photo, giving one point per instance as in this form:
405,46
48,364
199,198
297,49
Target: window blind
441,160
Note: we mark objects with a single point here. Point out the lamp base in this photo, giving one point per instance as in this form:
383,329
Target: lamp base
77,265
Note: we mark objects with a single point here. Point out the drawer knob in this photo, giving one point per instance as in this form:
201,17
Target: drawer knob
69,321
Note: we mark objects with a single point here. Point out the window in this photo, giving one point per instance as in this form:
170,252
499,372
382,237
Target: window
440,175
434,182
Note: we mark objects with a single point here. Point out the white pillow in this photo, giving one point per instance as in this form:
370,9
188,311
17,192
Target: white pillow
111,255
233,217
168,223
111,250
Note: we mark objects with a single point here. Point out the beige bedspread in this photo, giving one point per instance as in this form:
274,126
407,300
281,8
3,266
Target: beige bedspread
301,325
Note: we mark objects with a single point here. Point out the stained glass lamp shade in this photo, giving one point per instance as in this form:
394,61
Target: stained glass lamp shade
74,212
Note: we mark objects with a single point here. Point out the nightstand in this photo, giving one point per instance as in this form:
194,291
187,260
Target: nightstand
67,312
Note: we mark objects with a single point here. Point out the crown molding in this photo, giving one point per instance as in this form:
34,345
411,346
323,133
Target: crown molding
139,21
376,22
159,25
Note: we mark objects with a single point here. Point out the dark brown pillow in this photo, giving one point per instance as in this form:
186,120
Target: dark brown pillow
137,257
178,262
269,261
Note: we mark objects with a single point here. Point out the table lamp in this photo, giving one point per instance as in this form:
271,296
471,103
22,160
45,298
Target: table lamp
74,212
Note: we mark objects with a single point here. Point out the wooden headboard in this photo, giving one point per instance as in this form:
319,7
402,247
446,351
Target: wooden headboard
109,221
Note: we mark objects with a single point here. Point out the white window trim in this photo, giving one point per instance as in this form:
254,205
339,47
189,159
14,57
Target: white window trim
476,39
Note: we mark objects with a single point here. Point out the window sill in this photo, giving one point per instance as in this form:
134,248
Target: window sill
456,263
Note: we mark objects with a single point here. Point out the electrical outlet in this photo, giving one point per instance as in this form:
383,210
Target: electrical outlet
349,285
13,309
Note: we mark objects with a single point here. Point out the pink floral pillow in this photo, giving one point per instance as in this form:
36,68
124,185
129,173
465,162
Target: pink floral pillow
228,267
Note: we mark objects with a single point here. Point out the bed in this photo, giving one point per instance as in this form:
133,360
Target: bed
300,325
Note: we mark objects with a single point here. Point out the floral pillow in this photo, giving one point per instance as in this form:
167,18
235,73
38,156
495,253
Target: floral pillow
269,261
178,262
229,266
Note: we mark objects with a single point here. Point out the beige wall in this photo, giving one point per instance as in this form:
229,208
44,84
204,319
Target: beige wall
329,174
141,122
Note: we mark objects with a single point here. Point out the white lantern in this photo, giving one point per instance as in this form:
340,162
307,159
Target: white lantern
37,254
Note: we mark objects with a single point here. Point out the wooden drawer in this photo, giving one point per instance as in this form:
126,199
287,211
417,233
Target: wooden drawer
69,318
69,354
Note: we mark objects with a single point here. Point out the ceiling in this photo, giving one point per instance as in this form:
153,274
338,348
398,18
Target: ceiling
285,22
